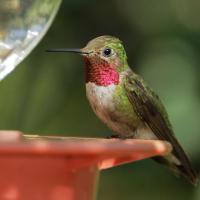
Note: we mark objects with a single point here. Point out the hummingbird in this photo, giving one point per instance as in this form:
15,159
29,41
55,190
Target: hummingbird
124,102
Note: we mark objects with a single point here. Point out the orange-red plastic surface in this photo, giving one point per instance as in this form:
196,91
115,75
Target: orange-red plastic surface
58,168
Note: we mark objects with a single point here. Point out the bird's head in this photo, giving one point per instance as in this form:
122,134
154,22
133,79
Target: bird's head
105,59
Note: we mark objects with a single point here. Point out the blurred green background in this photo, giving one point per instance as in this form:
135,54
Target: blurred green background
46,93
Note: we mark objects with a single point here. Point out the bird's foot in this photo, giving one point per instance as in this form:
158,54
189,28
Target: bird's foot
122,137
113,136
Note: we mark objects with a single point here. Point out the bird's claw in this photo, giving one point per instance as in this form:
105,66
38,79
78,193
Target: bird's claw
113,136
122,137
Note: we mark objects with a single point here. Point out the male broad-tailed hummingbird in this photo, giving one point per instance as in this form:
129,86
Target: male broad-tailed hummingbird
123,101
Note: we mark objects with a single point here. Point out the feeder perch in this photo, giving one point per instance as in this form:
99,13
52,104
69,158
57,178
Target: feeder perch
62,168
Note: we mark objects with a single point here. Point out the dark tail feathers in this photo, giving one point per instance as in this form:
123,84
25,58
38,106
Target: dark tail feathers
184,168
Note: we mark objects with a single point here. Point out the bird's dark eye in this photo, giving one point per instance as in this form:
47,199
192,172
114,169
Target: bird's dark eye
107,52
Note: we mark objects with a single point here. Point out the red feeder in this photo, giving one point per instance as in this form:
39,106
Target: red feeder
60,168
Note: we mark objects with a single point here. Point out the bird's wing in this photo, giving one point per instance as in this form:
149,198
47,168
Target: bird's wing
151,111
148,107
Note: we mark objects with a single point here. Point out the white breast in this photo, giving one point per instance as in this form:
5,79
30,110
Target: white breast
101,99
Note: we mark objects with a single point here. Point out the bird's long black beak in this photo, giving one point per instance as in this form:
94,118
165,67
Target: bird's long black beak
79,51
